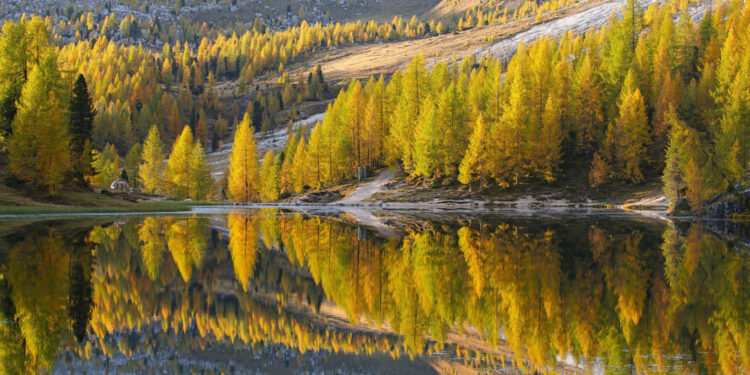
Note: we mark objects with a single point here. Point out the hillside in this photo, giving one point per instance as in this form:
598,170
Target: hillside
496,40
361,61
447,8
276,14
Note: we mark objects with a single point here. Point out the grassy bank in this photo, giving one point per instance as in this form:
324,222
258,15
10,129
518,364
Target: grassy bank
16,198
150,206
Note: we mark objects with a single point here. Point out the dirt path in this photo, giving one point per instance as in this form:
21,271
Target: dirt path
654,205
361,196
366,192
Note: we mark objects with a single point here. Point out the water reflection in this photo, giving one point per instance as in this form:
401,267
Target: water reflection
253,288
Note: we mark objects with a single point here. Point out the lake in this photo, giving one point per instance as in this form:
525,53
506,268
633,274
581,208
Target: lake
235,291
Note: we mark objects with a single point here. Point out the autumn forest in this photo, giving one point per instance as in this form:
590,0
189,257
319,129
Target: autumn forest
650,96
385,187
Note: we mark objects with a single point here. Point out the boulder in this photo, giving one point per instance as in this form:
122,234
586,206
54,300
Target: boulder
681,208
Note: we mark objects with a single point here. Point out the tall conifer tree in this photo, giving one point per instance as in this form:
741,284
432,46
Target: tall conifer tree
269,173
39,147
243,168
81,115
151,168
179,166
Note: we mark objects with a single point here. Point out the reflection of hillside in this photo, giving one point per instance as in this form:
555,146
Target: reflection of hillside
624,296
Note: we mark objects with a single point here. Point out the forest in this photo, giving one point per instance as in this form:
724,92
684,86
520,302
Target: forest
127,90
651,95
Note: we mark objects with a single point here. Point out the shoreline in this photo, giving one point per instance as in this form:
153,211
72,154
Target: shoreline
366,211
523,205
162,207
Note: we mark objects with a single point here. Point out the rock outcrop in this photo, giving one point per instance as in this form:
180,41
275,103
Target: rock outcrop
723,205
727,204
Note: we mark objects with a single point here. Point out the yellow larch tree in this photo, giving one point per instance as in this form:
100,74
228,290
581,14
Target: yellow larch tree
199,179
107,166
315,159
178,166
39,147
243,167
269,178
151,169
299,174
628,138
475,164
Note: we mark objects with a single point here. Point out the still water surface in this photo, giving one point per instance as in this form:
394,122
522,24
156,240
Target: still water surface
270,291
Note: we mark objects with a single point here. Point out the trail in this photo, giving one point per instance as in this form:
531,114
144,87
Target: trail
351,204
656,205
366,192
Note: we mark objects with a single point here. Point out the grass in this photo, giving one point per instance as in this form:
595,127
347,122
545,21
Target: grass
17,198
151,206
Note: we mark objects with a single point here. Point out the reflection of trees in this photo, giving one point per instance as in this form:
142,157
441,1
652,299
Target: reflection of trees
611,300
80,298
186,240
629,280
709,293
201,311
151,238
11,340
243,243
624,292
37,275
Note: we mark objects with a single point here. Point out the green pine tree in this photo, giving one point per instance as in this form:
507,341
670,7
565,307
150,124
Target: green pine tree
81,115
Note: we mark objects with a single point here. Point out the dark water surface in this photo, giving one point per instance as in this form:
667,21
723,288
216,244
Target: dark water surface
269,291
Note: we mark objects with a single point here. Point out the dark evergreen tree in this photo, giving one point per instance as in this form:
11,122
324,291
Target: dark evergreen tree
319,73
313,86
81,115
8,109
257,114
321,80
